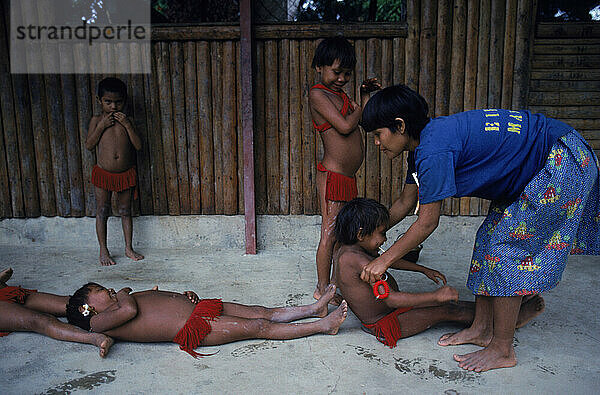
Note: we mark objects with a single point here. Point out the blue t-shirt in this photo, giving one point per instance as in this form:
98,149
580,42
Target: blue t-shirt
491,154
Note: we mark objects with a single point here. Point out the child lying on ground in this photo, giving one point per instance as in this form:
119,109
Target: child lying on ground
161,316
26,310
360,228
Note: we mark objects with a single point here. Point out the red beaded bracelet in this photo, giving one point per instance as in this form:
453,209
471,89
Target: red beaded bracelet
386,288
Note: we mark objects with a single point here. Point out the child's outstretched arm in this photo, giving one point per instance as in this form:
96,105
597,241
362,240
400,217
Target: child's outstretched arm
434,275
366,88
97,126
397,299
122,311
133,137
320,103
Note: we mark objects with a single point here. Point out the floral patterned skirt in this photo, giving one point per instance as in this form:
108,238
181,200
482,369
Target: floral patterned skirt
522,246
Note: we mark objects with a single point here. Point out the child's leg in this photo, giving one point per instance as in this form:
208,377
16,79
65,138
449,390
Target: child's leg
418,320
281,314
102,214
14,317
227,329
124,204
329,211
500,352
47,303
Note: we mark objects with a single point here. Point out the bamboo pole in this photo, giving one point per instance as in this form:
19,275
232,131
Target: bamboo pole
427,53
444,50
204,89
412,61
271,128
284,126
295,111
229,135
498,12
260,172
216,49
191,125
508,67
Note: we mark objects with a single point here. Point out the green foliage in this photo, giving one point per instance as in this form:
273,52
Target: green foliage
351,10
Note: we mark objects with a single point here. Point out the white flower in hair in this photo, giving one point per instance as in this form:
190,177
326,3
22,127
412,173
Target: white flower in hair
86,310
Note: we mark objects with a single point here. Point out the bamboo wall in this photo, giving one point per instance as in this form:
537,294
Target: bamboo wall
459,54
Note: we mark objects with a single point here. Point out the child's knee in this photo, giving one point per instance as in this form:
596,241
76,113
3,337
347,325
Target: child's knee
125,210
103,210
260,326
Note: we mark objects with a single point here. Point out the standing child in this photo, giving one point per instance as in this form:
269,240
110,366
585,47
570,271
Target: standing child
360,228
183,318
113,136
336,119
543,180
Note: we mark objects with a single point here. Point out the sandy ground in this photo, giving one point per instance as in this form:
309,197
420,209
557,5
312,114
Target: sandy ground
558,352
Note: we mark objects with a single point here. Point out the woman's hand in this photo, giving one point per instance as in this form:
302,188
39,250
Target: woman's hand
434,275
374,270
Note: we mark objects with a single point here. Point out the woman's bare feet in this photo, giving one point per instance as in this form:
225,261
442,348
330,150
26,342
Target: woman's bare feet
105,258
321,304
331,323
104,343
493,356
5,275
130,253
530,309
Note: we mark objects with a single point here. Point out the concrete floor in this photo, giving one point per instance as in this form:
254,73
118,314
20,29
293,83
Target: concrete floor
558,352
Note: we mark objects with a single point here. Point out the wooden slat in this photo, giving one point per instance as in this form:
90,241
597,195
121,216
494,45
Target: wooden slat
553,86
307,79
483,58
496,53
443,49
571,75
372,159
563,98
5,198
229,133
165,94
568,30
241,155
582,123
385,165
427,52
413,19
457,78
205,126
260,166
566,61
271,128
216,52
470,96
295,123
398,169
284,126
523,37
568,48
179,125
508,67
360,74
191,125
590,111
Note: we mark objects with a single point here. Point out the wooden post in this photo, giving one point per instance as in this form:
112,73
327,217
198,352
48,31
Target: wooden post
247,125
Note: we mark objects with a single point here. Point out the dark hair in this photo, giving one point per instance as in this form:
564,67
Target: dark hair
398,101
362,216
79,298
114,85
333,48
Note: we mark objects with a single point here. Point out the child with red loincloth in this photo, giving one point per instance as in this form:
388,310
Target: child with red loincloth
336,119
360,228
26,310
160,316
113,136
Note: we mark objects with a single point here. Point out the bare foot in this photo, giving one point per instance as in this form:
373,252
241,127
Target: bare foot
491,357
333,321
466,336
321,304
133,255
5,275
106,259
104,343
335,301
530,309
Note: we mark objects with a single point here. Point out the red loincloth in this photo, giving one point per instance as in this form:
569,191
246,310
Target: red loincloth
344,110
14,295
339,188
114,182
197,327
387,330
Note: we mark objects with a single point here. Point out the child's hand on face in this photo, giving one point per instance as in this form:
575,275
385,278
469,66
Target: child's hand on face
122,119
435,276
446,294
192,296
370,85
107,121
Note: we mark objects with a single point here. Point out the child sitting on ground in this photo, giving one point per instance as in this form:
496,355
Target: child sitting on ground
161,316
336,119
360,228
113,136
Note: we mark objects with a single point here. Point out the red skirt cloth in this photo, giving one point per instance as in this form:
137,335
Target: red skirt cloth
387,330
197,327
114,182
339,188
14,295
